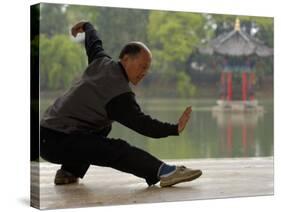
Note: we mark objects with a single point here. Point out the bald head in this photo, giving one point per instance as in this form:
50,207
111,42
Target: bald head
133,48
135,58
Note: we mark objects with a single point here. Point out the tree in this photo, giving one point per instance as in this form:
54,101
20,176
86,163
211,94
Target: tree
118,26
265,29
53,19
61,62
75,13
172,37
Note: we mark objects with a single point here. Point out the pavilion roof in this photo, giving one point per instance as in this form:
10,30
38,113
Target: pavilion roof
236,43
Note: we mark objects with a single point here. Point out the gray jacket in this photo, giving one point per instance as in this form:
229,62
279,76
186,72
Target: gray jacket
82,107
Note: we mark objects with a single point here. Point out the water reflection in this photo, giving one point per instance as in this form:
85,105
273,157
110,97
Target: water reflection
246,123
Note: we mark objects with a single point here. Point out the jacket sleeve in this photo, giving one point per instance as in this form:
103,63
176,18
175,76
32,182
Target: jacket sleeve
93,43
125,110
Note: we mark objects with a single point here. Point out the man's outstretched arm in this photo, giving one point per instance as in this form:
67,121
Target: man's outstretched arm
93,44
125,110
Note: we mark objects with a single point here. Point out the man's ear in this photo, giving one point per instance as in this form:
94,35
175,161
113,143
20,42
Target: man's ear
126,58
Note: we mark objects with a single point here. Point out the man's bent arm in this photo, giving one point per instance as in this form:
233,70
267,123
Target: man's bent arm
125,110
93,43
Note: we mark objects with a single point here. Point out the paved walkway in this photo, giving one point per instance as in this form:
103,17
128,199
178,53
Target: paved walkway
105,186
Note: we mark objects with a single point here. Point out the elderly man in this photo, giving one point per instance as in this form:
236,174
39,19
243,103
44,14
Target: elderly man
74,129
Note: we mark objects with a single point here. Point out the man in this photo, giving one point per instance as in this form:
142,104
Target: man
74,129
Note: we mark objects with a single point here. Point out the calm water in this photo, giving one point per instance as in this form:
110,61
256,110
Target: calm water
207,135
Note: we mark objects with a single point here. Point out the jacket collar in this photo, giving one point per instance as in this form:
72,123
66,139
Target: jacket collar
123,70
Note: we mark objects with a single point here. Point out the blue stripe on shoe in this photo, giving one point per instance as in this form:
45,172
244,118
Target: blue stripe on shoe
166,170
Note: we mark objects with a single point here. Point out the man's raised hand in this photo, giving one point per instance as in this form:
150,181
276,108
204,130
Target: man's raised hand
77,28
184,119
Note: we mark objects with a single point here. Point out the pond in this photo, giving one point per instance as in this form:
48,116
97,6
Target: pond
207,135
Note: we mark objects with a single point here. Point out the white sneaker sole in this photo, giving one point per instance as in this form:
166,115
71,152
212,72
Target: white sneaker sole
181,179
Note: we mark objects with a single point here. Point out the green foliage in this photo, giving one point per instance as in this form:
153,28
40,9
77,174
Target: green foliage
118,26
53,20
265,32
61,62
75,13
174,34
184,85
172,37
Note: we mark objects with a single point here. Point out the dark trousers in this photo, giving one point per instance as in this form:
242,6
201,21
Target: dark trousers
76,152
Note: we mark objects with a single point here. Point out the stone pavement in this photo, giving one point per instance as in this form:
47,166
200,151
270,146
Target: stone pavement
238,177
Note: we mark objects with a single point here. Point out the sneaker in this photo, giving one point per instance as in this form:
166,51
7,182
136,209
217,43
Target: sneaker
64,177
182,174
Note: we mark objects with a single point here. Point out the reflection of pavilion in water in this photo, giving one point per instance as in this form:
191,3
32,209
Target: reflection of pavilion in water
243,123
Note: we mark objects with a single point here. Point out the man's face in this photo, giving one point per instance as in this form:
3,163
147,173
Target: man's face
137,66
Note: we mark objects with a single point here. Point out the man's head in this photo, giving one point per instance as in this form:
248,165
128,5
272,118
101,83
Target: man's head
135,58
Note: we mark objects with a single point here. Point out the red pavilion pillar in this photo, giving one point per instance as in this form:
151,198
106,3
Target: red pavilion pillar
222,86
229,86
252,84
244,86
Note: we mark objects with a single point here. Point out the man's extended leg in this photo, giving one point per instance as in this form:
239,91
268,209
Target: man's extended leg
114,153
118,154
94,149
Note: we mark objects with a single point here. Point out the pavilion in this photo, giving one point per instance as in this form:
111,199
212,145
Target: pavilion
235,46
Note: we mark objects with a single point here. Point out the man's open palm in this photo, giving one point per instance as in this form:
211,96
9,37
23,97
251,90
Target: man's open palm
184,119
